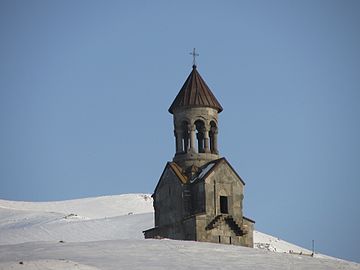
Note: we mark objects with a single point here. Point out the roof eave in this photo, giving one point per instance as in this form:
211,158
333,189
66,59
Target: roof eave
172,109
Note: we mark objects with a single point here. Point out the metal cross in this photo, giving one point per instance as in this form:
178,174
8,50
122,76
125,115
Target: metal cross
194,54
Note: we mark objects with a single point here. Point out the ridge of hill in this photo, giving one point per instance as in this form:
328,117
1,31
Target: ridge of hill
114,222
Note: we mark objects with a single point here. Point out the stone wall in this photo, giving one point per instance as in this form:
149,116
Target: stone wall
194,211
224,182
249,237
183,230
168,200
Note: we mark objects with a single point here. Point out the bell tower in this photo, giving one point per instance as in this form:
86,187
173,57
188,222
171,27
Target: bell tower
195,111
199,195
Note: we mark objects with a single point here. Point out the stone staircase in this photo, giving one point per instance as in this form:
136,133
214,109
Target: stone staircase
215,222
237,228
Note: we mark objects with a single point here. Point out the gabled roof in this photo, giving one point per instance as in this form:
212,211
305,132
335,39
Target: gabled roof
176,170
208,168
248,219
203,172
195,93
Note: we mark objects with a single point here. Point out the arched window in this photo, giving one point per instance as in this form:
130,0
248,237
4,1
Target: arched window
185,136
200,130
213,137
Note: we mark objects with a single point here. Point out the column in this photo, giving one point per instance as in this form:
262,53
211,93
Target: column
215,142
192,138
206,140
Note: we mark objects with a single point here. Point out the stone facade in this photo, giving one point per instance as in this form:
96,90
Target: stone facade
199,195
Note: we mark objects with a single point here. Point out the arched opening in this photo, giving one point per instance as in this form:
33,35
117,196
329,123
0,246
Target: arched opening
200,135
185,136
213,137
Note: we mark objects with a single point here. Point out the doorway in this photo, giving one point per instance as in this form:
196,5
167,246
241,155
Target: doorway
224,205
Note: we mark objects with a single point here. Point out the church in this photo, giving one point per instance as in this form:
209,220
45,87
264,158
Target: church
199,195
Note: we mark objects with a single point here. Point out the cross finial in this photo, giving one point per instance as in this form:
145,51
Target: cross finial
194,54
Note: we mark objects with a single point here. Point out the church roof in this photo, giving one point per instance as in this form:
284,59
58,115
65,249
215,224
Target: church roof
248,219
178,171
202,173
208,168
195,93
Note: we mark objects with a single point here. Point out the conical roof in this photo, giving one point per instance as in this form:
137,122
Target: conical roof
195,93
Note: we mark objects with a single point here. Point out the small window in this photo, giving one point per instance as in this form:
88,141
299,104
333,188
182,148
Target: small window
224,205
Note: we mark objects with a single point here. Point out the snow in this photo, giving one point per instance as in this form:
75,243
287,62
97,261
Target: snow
98,207
89,219
154,254
106,233
25,226
60,264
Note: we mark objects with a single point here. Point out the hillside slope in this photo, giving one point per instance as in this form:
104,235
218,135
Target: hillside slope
91,219
91,208
154,254
71,235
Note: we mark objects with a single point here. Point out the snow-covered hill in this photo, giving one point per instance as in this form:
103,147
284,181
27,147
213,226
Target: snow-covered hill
90,219
106,233
91,208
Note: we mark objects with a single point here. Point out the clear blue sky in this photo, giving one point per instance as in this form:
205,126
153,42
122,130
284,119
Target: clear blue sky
85,87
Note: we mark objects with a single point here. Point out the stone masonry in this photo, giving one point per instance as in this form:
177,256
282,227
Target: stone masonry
199,195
